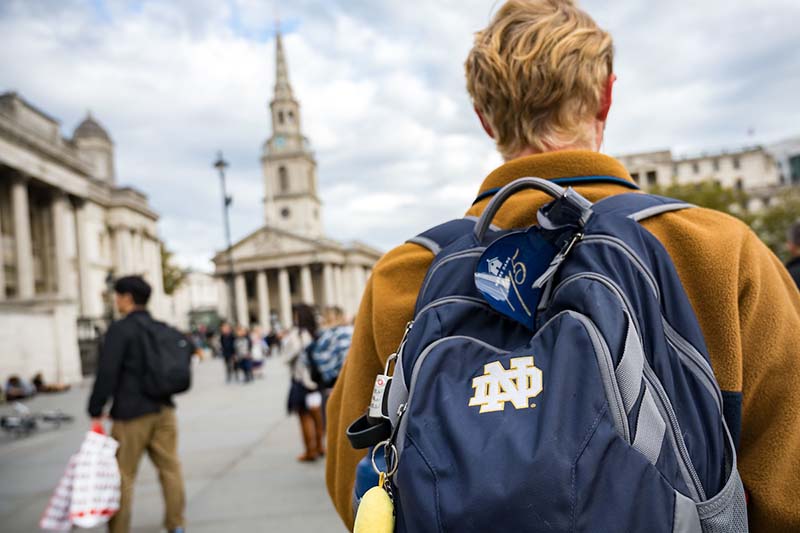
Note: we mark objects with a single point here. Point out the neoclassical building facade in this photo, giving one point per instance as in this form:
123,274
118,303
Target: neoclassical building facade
66,230
290,260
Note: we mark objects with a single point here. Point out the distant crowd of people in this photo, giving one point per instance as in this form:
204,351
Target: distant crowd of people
314,353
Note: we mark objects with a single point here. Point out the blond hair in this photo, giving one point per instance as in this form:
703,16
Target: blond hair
538,74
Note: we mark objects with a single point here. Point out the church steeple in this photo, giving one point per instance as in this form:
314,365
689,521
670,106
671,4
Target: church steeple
285,109
283,89
290,171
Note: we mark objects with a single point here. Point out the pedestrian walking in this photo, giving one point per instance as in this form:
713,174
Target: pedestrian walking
541,76
329,352
243,347
793,244
142,422
226,341
258,350
305,400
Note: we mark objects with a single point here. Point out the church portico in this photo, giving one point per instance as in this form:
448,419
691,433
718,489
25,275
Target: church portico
265,293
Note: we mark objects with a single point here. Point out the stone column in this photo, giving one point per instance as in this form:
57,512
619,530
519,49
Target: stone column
356,285
2,264
262,292
306,287
240,287
338,285
284,292
60,207
22,233
327,284
82,239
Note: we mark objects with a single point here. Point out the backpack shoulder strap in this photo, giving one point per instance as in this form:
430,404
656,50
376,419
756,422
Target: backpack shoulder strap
637,206
440,236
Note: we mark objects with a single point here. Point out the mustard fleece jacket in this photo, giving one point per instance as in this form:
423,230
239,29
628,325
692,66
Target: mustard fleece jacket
746,303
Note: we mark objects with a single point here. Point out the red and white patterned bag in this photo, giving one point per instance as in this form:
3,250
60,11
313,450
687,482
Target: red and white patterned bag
88,493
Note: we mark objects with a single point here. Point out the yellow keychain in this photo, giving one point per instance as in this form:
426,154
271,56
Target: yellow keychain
376,511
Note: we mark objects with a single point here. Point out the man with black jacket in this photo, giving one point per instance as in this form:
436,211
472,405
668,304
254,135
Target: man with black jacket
140,423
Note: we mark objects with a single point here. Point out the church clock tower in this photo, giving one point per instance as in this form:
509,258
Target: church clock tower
290,170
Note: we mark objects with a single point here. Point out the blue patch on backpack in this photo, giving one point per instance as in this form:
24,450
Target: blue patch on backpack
508,269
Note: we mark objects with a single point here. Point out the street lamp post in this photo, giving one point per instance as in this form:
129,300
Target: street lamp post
220,164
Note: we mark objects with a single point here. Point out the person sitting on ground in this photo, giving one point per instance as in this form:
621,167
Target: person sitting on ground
41,386
18,389
541,77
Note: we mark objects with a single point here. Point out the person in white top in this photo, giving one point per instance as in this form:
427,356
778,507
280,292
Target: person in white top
257,350
304,397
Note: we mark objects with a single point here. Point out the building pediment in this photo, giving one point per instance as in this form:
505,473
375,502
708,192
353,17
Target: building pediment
269,242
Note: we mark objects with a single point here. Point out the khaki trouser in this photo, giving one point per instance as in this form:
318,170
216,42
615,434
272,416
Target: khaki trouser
157,434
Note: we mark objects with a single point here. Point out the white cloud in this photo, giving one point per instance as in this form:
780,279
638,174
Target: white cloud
382,90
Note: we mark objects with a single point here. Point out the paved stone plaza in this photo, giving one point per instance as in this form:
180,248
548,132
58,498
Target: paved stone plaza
238,449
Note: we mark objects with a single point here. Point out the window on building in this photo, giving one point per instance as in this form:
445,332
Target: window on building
285,212
736,163
794,168
651,178
283,178
635,176
291,116
696,168
739,184
715,164
280,117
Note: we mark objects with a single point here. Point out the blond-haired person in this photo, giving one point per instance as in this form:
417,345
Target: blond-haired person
541,77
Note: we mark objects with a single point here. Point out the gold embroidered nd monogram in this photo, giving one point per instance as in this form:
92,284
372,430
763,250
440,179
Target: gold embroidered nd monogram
521,382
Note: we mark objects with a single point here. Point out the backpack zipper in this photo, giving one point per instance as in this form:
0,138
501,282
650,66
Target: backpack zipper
688,470
457,255
694,360
452,299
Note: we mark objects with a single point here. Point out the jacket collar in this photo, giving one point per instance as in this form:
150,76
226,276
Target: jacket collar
554,165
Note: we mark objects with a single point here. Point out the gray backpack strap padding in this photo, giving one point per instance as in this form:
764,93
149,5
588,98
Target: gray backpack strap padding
440,236
657,210
639,207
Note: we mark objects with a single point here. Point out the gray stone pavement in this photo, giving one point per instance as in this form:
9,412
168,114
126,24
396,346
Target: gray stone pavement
238,449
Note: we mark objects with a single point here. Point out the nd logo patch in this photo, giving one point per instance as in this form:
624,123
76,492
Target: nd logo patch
521,382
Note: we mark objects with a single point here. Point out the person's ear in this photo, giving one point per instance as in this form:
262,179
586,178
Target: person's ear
605,103
486,126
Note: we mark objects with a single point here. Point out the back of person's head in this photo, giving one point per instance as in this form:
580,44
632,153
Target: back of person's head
539,76
305,318
333,314
136,286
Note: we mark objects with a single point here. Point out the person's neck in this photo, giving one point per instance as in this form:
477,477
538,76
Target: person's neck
135,309
535,151
591,141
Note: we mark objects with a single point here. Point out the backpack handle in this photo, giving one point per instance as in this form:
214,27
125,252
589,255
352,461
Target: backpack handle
554,190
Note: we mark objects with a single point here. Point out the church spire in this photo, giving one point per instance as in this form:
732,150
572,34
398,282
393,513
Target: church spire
283,90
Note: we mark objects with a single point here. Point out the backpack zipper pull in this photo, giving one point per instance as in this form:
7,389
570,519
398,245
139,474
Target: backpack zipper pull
556,262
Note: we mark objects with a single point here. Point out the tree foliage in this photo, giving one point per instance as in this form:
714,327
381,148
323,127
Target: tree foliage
172,274
770,223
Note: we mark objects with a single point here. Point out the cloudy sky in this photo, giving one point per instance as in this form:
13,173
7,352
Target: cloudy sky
382,93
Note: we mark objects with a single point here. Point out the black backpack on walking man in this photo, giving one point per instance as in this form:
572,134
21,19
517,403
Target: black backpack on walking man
167,359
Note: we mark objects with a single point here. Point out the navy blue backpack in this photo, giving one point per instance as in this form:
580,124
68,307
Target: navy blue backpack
602,415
